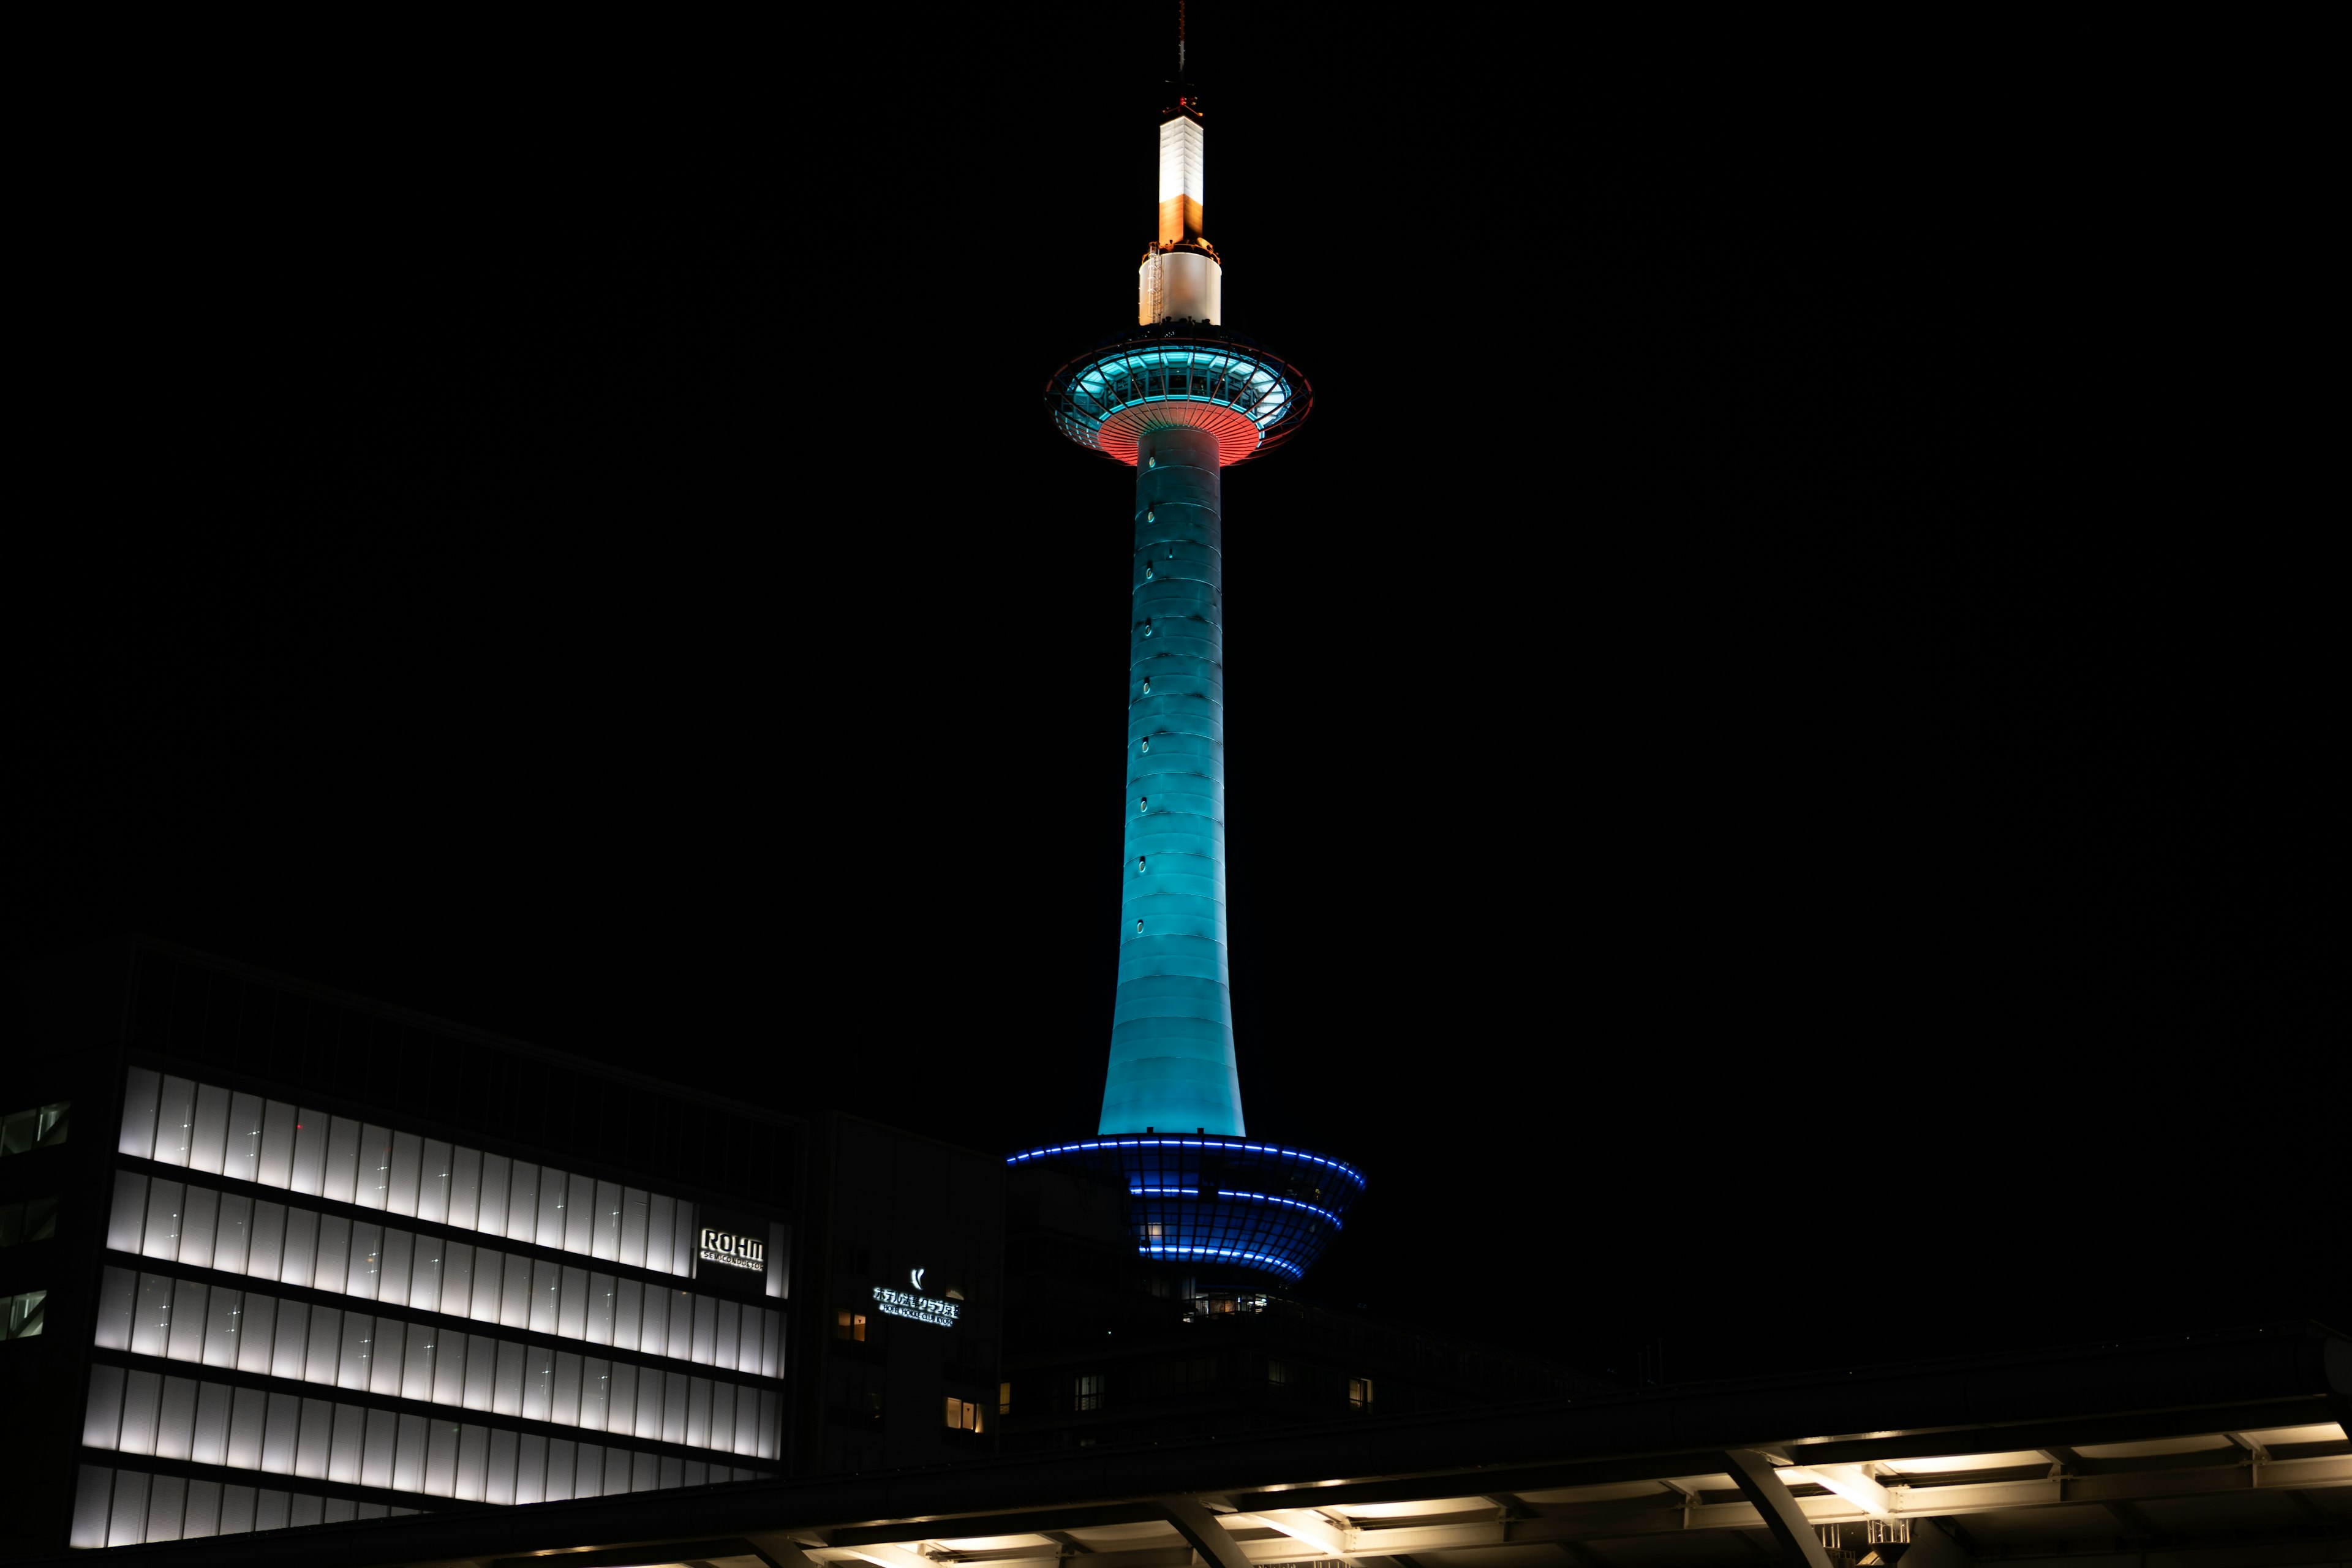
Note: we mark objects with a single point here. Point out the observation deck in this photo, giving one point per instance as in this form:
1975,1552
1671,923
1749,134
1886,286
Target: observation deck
1175,374
1238,1205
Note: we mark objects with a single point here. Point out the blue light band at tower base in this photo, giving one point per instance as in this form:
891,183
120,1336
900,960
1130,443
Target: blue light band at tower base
1181,398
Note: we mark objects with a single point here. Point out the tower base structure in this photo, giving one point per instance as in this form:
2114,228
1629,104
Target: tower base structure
1241,1212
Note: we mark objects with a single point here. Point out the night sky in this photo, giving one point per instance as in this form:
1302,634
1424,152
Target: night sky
1777,782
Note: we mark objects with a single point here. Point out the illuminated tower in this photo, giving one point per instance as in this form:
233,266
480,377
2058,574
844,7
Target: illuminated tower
1179,398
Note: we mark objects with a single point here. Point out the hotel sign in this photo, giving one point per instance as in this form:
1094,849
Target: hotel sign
733,1250
937,1310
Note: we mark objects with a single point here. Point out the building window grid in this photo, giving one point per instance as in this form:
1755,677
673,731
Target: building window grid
125,1507
191,1324
237,1233
41,1127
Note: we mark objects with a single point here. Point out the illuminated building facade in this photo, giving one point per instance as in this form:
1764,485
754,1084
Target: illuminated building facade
302,1258
1179,398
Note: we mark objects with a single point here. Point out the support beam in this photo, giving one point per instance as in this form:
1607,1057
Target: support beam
1791,1532
1200,1529
1852,1482
1315,1529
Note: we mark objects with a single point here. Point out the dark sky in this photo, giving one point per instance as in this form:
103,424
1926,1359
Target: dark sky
1775,793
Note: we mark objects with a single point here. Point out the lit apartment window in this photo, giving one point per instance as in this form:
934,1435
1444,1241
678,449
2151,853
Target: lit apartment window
1004,1399
43,1127
35,1219
848,1325
1089,1391
964,1415
21,1314
1359,1394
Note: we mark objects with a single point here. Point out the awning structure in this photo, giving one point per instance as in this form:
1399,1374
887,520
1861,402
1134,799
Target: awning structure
2224,1451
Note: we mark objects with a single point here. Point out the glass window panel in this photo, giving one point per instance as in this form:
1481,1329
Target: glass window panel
747,1422
500,1485
174,1120
359,1341
366,1264
256,1327
723,1416
185,1339
275,1166
544,1295
338,1510
621,1404
433,1182
166,1507
208,1131
233,1238
697,1413
772,1350
225,1313
262,1259
322,1357
272,1508
489,1288
142,1394
245,1424
588,1472
628,1313
661,1213
649,1401
514,1296
448,1367
312,1127
210,1443
204,1510
530,1468
653,1339
407,1164
349,1441
142,1089
441,1459
425,1273
300,1266
497,1172
101,1413
522,1203
289,1346
507,1399
607,1222
163,1200
236,1509
572,1304
689,1326
457,1279
383,1437
616,1471
579,1214
150,1324
415,1362
241,1154
672,1471
334,1252
598,1330
466,1188
633,1227
681,1259
93,1499
373,1179
340,1181
767,1424
385,1348
723,1342
481,1370
563,1407
473,1461
676,1390
198,1212
644,1472
127,1222
392,1281
552,1184
595,1384
408,1466
697,1473
304,1508
562,1457
129,1525
780,1241
537,1382
176,1423
118,1299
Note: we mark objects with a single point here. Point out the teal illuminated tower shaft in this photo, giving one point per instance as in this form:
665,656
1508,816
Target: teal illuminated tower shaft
1172,1039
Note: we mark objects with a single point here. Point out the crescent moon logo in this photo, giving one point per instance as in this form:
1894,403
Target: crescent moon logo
917,1276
